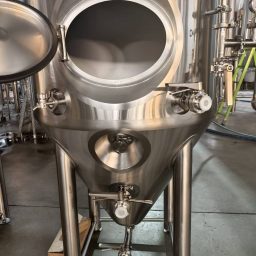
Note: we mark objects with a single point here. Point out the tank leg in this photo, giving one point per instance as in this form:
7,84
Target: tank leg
68,203
4,210
127,245
182,202
94,211
168,207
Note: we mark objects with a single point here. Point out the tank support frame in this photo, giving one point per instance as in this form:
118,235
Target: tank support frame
177,212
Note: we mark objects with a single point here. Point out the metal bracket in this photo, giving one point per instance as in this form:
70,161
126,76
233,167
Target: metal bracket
192,86
62,38
219,8
172,87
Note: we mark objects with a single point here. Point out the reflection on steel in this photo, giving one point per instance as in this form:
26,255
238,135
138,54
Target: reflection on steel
119,151
112,85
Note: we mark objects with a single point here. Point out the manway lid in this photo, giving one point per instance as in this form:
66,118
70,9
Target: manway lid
28,41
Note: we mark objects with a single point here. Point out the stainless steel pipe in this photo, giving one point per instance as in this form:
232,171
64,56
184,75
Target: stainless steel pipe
94,213
4,210
68,203
168,207
182,201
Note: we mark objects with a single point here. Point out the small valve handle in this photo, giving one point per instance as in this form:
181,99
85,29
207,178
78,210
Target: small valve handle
116,196
104,196
141,201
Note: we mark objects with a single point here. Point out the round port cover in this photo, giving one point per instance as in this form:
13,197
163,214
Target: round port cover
28,41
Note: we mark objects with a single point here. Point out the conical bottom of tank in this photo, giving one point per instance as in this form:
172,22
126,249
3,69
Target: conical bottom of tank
150,176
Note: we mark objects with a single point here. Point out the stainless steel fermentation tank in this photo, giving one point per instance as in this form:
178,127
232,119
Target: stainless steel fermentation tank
126,96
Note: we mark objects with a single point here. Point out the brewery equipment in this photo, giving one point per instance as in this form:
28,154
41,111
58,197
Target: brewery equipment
4,210
125,90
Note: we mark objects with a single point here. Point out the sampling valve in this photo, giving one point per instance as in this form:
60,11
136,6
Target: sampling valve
54,100
123,199
189,97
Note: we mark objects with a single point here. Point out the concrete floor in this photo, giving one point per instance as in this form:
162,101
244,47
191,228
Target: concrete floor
224,201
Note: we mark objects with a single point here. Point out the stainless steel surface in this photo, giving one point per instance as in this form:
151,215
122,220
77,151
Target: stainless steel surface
27,41
182,201
119,151
229,225
68,203
122,198
126,98
62,35
4,208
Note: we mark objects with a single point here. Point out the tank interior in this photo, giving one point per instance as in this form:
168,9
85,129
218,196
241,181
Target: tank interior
101,49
